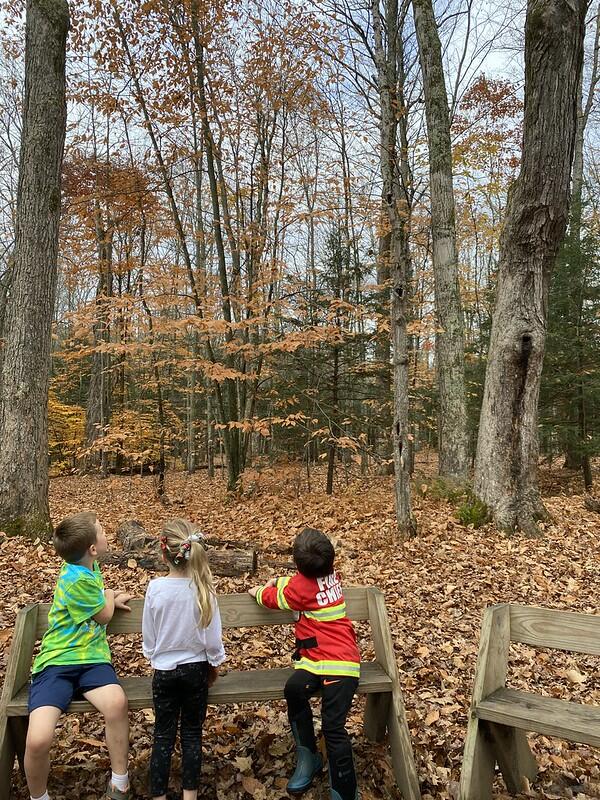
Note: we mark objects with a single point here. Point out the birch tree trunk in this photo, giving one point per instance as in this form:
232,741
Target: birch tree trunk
30,308
389,61
536,218
450,356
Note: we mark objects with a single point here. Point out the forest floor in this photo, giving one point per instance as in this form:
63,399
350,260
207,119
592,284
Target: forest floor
436,587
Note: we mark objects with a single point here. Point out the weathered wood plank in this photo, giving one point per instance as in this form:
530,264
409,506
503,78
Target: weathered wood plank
575,722
479,760
559,630
403,761
16,676
377,709
18,667
233,687
514,756
237,611
18,731
7,758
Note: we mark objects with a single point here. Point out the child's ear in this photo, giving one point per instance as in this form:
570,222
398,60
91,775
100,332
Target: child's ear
92,550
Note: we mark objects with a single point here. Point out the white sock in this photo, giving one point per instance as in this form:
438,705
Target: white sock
42,797
120,782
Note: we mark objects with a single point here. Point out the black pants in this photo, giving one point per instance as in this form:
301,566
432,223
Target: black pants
178,692
336,698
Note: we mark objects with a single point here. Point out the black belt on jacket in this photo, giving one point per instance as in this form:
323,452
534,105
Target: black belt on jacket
304,644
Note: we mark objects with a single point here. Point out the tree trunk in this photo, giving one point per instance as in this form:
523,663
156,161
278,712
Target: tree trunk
576,457
397,202
99,401
536,217
28,322
333,425
192,412
232,438
450,357
5,281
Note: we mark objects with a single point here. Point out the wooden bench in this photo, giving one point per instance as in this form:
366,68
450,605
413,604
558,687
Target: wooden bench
379,679
500,716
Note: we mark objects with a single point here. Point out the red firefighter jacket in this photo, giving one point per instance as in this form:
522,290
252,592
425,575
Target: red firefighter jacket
325,638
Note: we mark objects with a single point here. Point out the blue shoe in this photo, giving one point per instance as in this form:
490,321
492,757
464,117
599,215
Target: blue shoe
309,764
337,796
346,780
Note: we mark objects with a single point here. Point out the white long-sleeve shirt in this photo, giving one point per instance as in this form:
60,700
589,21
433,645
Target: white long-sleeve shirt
170,631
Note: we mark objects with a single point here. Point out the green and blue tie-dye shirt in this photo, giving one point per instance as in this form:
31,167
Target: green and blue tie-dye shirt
73,637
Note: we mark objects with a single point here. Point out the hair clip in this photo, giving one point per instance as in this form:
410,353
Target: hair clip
164,543
198,537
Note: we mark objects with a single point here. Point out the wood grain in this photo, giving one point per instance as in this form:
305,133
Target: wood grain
237,611
559,630
575,722
233,687
479,759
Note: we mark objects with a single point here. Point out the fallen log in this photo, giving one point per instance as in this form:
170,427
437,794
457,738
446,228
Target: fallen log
226,563
226,558
132,535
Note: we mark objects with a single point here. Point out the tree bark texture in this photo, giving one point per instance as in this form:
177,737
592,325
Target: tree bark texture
396,201
576,457
536,218
450,357
5,280
98,407
26,361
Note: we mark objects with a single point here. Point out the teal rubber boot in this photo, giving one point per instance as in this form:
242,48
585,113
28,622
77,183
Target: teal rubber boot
309,763
337,796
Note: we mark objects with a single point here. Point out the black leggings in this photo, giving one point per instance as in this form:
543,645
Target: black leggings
336,698
178,692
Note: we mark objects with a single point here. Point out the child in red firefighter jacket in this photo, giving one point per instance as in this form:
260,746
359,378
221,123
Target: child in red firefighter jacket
326,660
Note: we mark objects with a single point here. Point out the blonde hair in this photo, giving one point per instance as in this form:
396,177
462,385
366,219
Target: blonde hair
182,550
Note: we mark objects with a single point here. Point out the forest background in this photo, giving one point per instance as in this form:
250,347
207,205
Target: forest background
231,304
236,179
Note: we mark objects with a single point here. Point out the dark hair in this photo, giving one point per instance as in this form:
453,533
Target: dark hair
313,553
74,535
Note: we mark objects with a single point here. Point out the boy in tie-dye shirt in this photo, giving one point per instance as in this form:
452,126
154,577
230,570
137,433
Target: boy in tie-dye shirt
74,660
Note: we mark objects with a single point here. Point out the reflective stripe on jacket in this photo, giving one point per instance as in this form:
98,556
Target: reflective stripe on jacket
322,623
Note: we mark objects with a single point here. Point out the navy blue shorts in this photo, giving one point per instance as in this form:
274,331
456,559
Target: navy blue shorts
58,685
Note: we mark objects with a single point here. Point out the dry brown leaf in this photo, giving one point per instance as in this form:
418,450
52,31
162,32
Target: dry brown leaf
433,716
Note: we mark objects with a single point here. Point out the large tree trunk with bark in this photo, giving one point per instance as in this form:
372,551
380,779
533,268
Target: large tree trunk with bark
536,218
26,360
389,59
450,357
5,280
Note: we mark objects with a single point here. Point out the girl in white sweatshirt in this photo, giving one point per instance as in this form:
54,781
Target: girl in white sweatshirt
181,631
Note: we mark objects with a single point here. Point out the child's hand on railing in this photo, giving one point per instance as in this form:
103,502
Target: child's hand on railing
121,600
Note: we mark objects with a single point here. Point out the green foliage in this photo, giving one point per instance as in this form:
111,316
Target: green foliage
473,511
32,525
470,510
442,489
569,408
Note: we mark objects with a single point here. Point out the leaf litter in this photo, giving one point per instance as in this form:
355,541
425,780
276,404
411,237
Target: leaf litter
436,587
